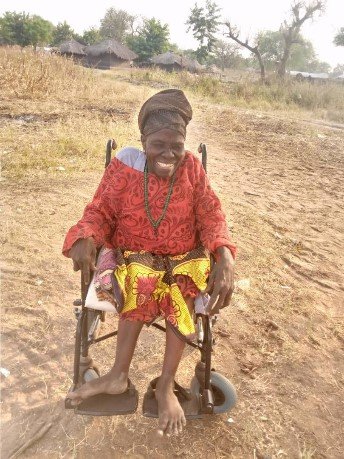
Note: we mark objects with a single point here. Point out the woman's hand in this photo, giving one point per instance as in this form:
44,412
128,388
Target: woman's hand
221,281
83,254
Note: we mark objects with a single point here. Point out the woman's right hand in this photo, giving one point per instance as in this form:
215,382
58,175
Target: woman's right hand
83,253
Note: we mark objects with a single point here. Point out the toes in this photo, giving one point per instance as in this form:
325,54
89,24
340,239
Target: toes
176,428
162,427
169,429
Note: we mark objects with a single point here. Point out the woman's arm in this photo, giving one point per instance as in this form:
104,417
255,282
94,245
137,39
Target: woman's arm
94,228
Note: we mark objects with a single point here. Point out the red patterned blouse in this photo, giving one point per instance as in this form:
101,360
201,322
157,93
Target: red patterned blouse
116,217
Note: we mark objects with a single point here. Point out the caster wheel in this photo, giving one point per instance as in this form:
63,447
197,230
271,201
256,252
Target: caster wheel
225,396
89,374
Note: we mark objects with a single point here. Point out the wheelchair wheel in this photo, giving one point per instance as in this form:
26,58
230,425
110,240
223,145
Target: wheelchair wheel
89,374
225,396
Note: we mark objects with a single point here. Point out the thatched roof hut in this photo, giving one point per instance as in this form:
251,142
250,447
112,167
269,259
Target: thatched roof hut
170,61
109,53
192,65
72,48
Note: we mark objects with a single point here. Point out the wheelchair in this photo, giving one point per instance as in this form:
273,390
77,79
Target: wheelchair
209,392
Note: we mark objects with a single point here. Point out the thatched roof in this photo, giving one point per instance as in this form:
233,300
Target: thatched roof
72,47
168,58
171,58
192,65
111,47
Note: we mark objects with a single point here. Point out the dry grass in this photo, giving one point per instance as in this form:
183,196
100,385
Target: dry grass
325,100
280,349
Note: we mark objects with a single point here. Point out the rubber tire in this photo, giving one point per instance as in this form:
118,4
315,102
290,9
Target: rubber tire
90,374
225,396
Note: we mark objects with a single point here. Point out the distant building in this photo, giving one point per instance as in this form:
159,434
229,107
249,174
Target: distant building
174,62
73,49
109,54
308,75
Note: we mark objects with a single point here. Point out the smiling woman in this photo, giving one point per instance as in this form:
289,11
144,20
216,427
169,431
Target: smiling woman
159,220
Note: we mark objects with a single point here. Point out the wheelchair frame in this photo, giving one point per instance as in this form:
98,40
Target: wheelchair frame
86,336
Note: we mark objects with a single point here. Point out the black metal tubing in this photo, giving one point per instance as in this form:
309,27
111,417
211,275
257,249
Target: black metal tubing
102,338
108,153
77,351
204,156
207,352
160,327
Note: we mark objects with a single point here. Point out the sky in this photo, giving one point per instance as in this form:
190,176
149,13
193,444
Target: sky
250,15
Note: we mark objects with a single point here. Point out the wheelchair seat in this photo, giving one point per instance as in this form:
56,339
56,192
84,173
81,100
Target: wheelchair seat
92,301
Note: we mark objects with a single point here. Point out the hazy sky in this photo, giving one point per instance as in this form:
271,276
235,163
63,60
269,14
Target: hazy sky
250,15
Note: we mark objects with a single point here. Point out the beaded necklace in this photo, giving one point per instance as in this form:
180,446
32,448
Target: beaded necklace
156,223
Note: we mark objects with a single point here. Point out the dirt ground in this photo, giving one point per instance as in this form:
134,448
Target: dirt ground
281,342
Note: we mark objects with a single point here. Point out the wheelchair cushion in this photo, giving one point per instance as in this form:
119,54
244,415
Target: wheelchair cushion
92,301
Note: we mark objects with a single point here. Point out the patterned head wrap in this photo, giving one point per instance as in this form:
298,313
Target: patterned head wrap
168,109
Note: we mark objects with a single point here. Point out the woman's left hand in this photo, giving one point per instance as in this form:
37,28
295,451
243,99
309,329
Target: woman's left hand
221,281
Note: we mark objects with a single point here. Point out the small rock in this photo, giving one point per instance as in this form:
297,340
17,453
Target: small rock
230,420
263,418
5,372
321,136
60,168
243,284
39,281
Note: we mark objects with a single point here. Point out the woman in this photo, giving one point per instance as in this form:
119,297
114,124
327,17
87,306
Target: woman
158,218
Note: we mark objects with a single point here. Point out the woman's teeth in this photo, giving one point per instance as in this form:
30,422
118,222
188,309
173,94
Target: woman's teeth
165,165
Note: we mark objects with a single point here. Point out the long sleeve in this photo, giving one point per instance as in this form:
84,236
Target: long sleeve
98,218
210,219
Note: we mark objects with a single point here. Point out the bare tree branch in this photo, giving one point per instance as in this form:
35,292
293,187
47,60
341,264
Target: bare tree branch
301,12
233,33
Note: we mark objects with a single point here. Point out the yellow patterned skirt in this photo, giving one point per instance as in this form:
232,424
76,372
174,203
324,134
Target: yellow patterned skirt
144,286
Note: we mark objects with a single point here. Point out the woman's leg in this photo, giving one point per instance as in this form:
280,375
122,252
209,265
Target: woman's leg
171,414
116,380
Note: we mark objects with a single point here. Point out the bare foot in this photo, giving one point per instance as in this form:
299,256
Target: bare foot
171,414
110,383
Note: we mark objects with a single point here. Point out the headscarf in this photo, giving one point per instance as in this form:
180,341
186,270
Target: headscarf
168,109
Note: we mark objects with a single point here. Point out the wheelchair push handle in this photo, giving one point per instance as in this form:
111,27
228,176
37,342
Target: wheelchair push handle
110,145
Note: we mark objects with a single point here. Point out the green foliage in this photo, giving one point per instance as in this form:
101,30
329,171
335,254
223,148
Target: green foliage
23,29
62,32
152,39
204,23
302,55
339,37
116,24
91,36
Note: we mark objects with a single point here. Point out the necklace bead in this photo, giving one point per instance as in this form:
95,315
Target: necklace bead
156,223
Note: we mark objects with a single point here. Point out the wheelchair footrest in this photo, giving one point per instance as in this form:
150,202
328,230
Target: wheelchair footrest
191,403
109,404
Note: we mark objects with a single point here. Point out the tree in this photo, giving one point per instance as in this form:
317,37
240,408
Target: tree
300,12
233,33
302,54
204,23
152,39
338,70
62,32
226,55
116,24
91,36
24,30
339,37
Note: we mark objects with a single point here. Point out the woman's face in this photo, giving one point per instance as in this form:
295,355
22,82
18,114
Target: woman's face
164,151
